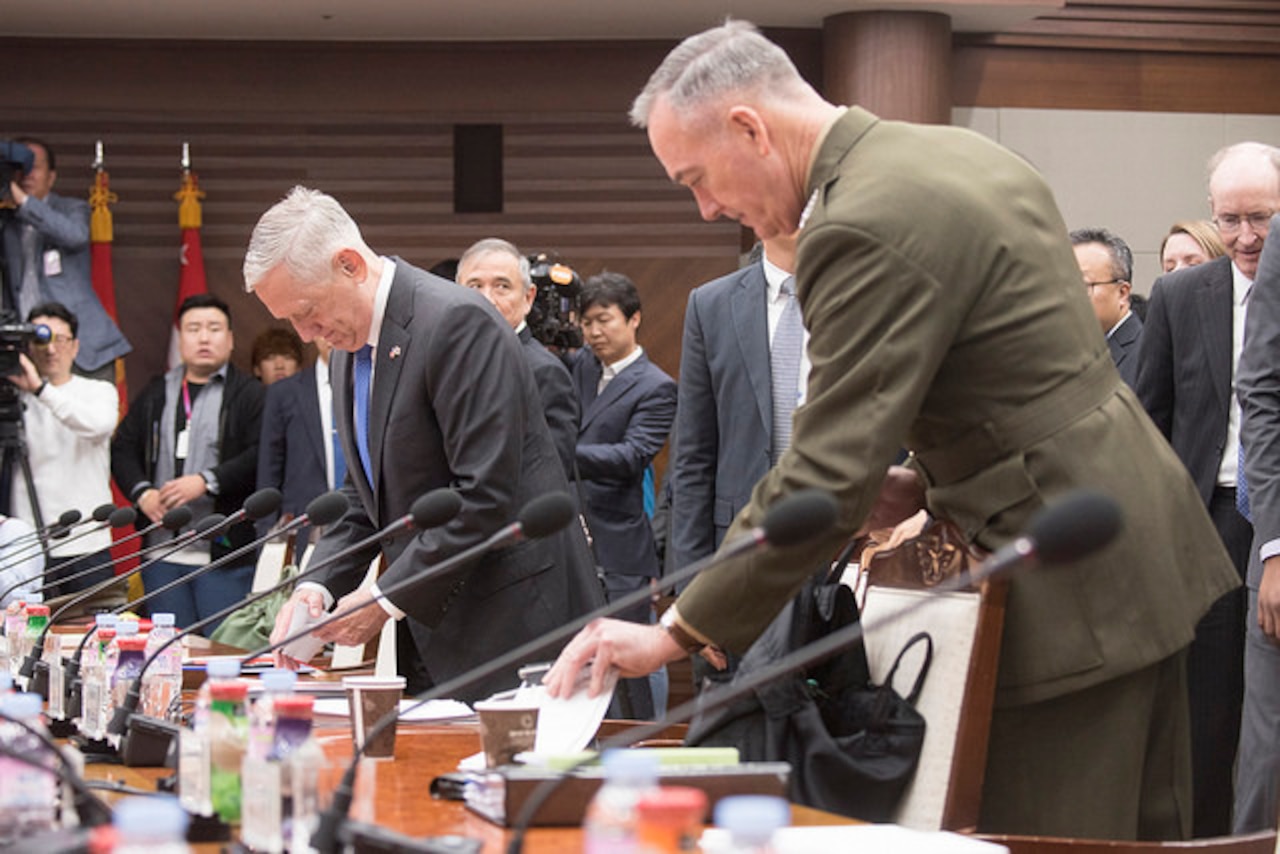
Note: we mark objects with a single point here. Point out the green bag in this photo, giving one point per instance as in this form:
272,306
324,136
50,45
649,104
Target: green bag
250,627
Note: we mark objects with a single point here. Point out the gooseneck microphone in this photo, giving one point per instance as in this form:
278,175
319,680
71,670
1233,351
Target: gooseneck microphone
541,517
792,520
36,541
119,518
1081,523
66,520
173,520
323,510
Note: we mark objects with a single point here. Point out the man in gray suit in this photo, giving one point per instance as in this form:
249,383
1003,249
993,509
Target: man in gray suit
46,246
430,391
1106,262
1258,388
724,417
1191,341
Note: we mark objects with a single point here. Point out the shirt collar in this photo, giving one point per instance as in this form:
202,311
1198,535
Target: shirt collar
624,363
1240,285
773,277
380,301
1113,329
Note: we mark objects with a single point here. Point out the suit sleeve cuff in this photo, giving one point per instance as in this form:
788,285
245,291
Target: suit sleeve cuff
686,636
387,604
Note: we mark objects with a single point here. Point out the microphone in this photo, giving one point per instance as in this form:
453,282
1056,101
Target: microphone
324,510
1074,527
119,518
792,520
173,520
54,530
66,520
539,518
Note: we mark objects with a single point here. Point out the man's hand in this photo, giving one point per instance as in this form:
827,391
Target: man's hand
907,529
634,649
29,378
359,627
901,496
1269,599
313,601
16,193
152,505
182,490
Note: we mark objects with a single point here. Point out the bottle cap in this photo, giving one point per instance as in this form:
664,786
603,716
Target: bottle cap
635,767
21,706
105,620
154,817
752,818
678,805
277,680
223,668
300,706
164,618
37,610
233,691
107,633
132,643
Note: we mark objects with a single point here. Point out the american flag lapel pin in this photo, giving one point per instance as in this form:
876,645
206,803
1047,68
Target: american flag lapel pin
395,352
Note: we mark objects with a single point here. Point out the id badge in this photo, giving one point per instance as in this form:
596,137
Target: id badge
52,263
182,445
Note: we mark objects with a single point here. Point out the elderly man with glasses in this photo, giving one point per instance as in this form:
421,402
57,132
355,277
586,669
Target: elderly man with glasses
1191,342
68,421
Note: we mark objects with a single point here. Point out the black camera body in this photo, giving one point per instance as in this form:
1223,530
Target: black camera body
553,318
15,159
15,338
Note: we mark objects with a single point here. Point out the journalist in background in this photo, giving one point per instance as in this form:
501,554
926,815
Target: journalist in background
946,315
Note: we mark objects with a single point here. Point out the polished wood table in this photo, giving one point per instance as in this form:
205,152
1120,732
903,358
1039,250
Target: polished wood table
395,793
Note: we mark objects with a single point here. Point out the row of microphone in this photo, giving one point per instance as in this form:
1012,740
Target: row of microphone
1068,530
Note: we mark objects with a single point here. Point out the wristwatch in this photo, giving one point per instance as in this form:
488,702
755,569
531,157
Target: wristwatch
679,633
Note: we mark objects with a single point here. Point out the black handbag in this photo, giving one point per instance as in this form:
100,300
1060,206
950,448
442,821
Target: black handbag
853,746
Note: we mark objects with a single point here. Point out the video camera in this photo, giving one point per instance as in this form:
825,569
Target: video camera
15,339
15,158
553,318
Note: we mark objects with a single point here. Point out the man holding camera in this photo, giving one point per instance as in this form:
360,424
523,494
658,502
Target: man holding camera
46,249
68,421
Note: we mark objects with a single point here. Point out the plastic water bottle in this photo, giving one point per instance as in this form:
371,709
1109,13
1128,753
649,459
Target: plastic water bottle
150,825
162,682
93,691
277,683
194,770
15,627
110,659
611,820
261,816
37,620
751,821
130,654
228,738
28,793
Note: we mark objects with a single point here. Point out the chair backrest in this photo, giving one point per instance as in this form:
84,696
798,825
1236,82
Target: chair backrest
1254,843
958,694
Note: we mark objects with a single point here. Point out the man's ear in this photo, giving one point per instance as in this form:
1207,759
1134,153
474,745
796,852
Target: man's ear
350,263
748,122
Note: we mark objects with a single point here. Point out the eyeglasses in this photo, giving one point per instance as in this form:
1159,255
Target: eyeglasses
1091,285
56,338
1259,222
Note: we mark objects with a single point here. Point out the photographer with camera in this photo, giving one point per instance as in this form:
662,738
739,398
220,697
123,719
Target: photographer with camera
46,253
68,422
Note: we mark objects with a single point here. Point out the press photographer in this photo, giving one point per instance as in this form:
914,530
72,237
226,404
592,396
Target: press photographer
46,253
67,421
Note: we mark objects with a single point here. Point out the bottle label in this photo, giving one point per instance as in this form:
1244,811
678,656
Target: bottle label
57,698
261,818
193,773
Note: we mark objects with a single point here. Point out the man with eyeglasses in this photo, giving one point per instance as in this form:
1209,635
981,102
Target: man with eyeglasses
1106,262
68,421
1191,342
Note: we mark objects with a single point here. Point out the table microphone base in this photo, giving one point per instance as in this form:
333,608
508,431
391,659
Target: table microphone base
61,727
149,743
207,828
96,750
372,839
39,682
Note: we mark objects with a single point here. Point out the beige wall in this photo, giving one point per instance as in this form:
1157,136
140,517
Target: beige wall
1134,173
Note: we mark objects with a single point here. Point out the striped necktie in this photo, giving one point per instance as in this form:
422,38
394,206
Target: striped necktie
784,362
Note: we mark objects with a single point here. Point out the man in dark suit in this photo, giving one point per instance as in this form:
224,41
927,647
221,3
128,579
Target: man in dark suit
432,391
299,453
724,420
46,247
946,315
1258,767
628,406
1106,262
500,273
1190,345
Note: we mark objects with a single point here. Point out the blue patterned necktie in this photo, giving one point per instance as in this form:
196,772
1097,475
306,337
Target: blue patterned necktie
363,375
1242,488
784,363
339,461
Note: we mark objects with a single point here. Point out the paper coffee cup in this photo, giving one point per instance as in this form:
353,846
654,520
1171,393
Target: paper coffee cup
371,698
506,729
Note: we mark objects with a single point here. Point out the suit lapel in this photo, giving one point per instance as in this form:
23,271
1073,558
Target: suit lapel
1216,301
614,390
393,344
747,304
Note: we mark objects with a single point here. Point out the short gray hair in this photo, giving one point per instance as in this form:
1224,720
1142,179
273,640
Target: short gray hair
732,57
303,231
497,244
1121,254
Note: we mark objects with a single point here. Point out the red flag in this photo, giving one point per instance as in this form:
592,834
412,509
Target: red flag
101,235
191,280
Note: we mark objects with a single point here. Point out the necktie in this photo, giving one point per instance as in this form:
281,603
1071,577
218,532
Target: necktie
29,288
339,462
784,362
1242,489
363,375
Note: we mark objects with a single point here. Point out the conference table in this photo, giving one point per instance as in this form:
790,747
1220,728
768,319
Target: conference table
394,793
